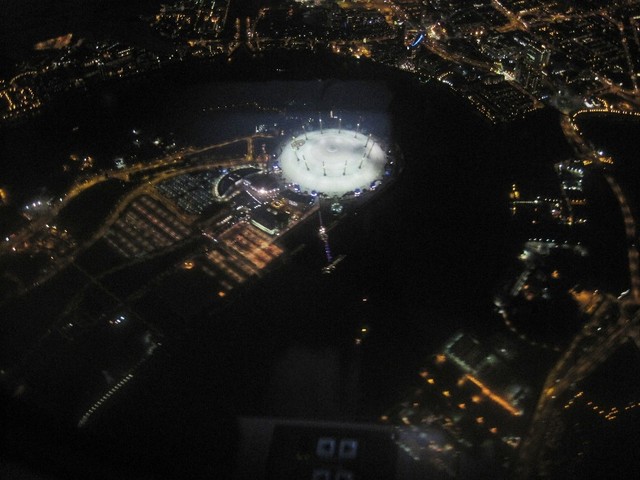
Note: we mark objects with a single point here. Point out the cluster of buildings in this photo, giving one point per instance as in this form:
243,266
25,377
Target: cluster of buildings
520,46
320,22
507,58
571,174
191,19
470,409
536,301
74,65
193,192
17,100
198,24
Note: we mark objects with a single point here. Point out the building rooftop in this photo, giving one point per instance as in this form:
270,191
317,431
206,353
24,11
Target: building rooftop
332,161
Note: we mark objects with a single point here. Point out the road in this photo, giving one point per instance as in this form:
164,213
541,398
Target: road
632,237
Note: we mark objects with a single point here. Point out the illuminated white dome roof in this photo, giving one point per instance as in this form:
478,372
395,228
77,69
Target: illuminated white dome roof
333,162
